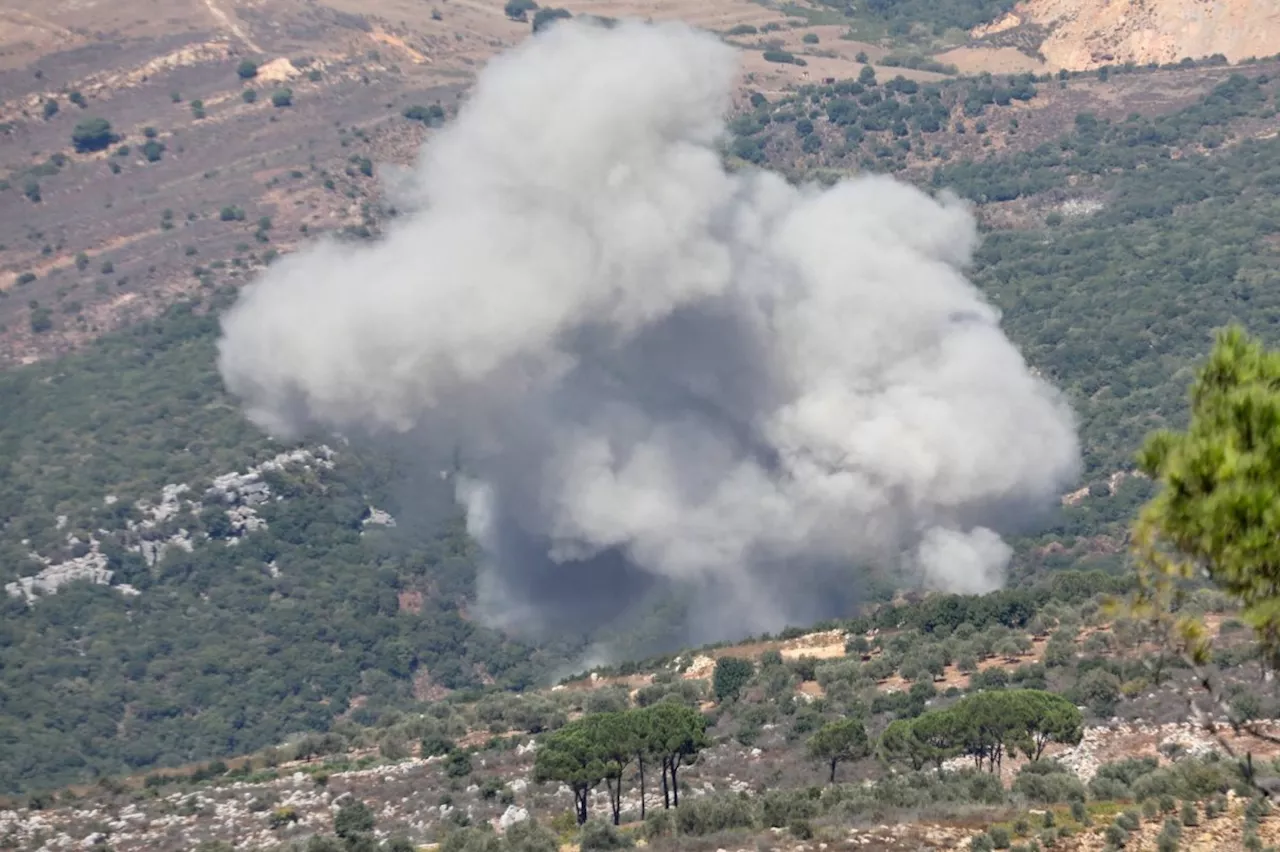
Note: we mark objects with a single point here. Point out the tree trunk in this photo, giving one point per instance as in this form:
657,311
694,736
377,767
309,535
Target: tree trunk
640,759
666,794
833,770
675,783
615,798
581,801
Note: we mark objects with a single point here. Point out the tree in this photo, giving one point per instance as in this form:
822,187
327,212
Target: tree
544,18
518,10
247,69
458,764
616,743
867,76
352,820
839,741
92,134
425,114
731,675
50,108
1215,513
570,756
1221,480
1049,718
678,733
153,150
281,98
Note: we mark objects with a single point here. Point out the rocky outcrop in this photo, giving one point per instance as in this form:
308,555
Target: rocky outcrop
91,567
1085,34
153,533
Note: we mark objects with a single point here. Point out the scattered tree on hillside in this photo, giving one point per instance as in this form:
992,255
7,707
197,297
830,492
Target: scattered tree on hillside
731,675
92,134
518,10
678,732
602,746
985,726
570,756
544,18
353,820
1216,514
248,69
839,741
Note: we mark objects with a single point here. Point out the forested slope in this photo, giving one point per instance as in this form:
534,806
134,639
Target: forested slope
1113,251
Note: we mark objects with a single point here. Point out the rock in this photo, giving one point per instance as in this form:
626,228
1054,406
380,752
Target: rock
511,816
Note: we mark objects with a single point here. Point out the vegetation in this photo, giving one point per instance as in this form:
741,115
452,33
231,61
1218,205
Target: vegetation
602,746
545,17
92,134
839,742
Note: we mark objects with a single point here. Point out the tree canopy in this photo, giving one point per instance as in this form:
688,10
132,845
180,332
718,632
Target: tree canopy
600,747
1219,507
839,741
92,134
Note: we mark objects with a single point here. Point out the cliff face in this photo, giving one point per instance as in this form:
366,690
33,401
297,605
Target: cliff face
1085,34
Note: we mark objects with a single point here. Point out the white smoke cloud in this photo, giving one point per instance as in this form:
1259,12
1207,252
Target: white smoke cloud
659,370
966,563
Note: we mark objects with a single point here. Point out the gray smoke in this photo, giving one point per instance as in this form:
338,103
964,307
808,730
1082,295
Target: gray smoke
657,371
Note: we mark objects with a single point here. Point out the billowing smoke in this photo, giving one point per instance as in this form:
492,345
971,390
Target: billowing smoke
658,373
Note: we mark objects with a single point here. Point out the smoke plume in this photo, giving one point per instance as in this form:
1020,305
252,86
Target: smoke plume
659,372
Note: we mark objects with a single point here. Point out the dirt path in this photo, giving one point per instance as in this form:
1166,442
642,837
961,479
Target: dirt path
228,22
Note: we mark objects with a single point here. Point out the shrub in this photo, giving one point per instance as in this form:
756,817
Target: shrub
1190,816
780,56
544,18
50,108
92,134
247,69
281,98
249,96
658,824
425,114
458,765
1047,782
780,808
598,834
518,10
731,675
153,150
981,843
41,320
999,837
714,812
1080,813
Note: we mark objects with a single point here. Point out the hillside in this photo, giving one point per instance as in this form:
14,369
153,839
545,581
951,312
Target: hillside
179,588
468,764
1085,34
